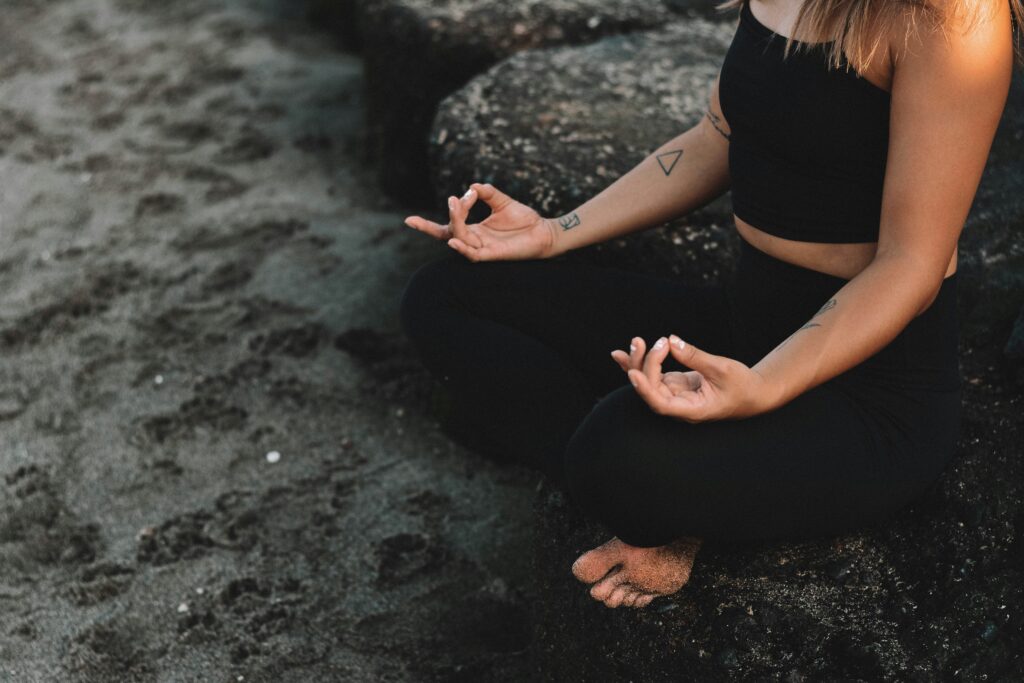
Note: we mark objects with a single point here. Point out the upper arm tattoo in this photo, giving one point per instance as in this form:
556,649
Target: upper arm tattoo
716,121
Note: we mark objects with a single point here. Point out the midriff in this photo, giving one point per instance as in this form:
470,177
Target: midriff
840,260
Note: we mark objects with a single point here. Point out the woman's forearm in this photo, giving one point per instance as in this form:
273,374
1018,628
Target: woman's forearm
867,313
683,174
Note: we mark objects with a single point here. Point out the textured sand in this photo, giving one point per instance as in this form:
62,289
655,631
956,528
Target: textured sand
195,271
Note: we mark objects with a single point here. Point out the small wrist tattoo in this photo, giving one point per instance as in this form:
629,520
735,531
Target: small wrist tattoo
570,221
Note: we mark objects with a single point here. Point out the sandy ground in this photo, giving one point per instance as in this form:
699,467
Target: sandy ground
196,271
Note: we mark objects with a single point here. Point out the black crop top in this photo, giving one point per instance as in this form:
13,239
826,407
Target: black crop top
807,151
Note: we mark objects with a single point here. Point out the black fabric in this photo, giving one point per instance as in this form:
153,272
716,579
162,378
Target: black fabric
523,348
808,143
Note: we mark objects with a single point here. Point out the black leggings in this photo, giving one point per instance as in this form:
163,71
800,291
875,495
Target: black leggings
523,348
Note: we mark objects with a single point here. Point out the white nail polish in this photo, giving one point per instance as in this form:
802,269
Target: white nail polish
660,343
680,344
632,348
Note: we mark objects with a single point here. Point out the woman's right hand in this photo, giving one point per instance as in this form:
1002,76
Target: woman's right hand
513,231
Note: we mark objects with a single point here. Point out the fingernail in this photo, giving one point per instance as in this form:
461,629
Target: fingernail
680,344
468,192
660,343
451,202
632,347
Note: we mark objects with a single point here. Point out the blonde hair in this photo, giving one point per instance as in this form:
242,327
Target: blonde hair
857,26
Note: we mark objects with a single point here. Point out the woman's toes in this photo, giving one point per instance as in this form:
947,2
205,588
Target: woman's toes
593,565
617,596
603,589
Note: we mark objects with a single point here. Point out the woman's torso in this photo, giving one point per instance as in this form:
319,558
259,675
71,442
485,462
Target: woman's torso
843,260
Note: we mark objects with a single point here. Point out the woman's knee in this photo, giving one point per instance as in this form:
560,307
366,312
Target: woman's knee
643,475
607,464
426,289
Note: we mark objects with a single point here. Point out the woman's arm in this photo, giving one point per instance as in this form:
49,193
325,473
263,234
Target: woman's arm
948,95
684,174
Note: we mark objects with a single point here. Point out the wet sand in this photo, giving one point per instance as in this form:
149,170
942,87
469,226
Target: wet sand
217,455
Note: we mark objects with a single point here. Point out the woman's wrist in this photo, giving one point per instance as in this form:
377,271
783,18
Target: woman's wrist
561,226
557,246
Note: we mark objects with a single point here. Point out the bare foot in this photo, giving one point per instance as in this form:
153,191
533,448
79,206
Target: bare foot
622,574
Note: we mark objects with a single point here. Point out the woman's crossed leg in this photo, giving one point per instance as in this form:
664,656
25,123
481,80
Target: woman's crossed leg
816,466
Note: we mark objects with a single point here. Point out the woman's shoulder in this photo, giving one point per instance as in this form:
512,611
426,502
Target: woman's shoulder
953,29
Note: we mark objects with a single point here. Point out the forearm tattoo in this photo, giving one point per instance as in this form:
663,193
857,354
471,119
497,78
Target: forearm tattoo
668,160
570,221
716,122
830,304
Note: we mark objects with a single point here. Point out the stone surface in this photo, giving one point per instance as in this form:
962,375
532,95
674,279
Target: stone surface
419,51
554,127
933,593
992,245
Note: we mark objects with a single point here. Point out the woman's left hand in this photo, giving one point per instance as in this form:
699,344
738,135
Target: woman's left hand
715,388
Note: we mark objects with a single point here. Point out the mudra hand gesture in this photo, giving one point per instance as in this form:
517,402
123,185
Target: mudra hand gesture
513,231
715,388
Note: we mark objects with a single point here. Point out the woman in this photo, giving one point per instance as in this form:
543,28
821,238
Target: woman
815,392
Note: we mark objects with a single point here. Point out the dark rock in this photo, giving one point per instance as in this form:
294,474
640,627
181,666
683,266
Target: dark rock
554,127
991,257
418,51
